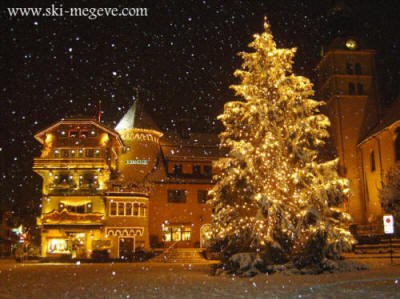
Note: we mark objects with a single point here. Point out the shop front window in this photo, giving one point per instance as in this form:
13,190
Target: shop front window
176,233
58,246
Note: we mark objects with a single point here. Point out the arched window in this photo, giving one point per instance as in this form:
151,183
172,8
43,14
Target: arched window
397,145
136,209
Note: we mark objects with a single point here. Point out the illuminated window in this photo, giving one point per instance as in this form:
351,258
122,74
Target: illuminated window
196,169
358,69
58,246
352,89
73,153
176,233
56,153
80,209
202,196
80,153
127,209
372,161
97,153
113,208
73,133
177,196
93,133
63,133
207,170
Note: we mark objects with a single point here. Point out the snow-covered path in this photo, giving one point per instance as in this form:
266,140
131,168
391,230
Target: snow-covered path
147,280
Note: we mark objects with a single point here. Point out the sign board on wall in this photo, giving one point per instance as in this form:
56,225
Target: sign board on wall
388,224
136,162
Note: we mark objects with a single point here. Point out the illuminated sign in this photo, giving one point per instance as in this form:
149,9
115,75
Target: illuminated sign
388,224
136,162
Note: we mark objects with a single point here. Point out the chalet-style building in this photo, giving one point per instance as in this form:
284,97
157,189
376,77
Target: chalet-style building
122,189
134,187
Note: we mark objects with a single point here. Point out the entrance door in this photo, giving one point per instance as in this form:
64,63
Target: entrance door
126,248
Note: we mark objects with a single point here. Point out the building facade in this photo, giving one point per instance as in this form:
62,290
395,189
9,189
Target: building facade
133,187
124,189
365,138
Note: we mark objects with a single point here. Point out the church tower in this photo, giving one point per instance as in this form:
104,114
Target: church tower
347,83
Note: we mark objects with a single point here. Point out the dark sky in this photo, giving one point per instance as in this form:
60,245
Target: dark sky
181,56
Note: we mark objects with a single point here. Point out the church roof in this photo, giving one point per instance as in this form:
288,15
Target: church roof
390,116
136,118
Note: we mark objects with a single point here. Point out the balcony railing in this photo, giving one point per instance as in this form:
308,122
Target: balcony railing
69,163
70,218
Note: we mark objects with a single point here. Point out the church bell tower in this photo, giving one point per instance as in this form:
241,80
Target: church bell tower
347,83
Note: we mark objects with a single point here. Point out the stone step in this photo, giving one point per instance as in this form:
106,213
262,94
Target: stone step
181,255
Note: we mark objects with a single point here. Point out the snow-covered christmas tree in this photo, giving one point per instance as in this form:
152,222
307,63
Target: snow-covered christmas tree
274,193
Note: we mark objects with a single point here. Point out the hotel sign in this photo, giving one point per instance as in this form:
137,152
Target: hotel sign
136,162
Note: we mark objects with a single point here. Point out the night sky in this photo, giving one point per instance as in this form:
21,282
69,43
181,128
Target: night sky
181,56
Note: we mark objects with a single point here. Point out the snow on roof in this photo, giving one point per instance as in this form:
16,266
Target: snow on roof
136,118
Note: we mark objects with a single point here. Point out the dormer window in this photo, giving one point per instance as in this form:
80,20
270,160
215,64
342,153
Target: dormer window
73,133
83,133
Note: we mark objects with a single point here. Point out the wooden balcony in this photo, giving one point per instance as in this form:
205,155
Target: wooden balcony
65,217
69,163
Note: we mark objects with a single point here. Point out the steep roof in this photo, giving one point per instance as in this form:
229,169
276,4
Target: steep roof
76,121
390,116
136,118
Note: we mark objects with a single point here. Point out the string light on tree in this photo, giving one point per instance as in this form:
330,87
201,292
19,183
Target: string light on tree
273,190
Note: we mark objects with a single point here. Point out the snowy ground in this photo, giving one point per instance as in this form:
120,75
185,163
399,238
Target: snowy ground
148,280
